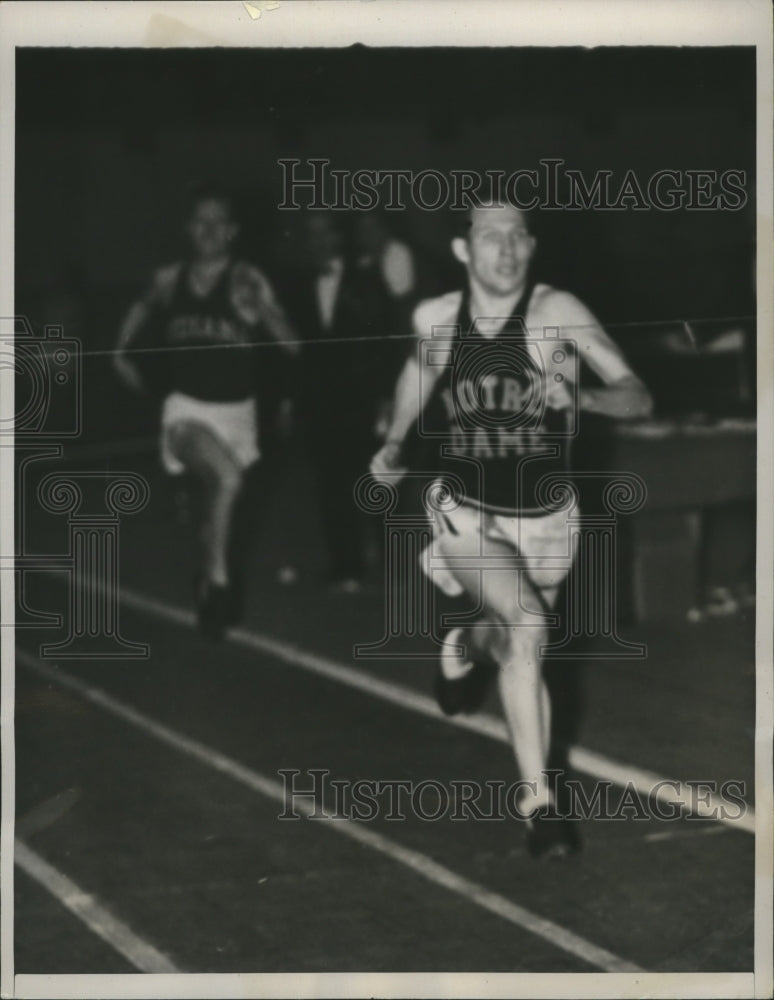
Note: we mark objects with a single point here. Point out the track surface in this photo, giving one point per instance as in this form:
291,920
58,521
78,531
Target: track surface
187,853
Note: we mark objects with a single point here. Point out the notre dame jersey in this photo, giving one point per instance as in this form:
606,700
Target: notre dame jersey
492,432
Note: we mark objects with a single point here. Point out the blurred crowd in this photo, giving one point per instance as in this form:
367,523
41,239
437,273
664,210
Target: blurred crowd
349,297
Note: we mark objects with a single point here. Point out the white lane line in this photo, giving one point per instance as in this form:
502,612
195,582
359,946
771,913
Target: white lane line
557,936
645,783
684,834
46,813
90,911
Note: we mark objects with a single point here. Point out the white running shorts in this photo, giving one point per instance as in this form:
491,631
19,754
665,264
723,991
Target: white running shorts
547,542
235,424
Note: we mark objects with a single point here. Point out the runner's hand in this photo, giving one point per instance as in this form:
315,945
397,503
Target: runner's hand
385,465
383,419
557,396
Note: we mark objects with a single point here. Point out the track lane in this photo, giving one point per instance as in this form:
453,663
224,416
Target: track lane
307,909
196,687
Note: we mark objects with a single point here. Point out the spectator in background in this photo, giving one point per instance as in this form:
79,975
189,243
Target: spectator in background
206,312
376,249
344,308
374,245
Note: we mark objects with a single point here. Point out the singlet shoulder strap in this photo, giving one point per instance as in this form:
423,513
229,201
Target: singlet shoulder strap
521,307
226,279
179,286
464,320
519,311
221,289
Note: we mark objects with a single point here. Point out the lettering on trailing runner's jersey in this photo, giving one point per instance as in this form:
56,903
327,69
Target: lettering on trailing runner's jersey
192,328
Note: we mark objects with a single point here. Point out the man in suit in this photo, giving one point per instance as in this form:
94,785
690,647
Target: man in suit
343,309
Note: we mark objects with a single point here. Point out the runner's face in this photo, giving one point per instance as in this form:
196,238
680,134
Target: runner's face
498,250
211,229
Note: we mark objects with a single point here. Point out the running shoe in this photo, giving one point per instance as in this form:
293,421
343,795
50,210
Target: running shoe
460,683
215,611
551,836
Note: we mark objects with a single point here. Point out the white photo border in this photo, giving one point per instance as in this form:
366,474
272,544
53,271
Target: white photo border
295,23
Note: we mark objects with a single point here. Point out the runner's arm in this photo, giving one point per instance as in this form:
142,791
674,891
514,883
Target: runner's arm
623,396
412,392
255,296
138,315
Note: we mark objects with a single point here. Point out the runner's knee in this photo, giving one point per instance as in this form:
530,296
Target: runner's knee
206,458
494,635
520,659
547,581
228,479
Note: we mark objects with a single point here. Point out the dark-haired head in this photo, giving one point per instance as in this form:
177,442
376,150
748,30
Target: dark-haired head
212,225
209,191
463,218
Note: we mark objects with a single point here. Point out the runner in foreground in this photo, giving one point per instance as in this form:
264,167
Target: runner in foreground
499,397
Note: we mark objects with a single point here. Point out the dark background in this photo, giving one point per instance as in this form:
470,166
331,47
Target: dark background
110,142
